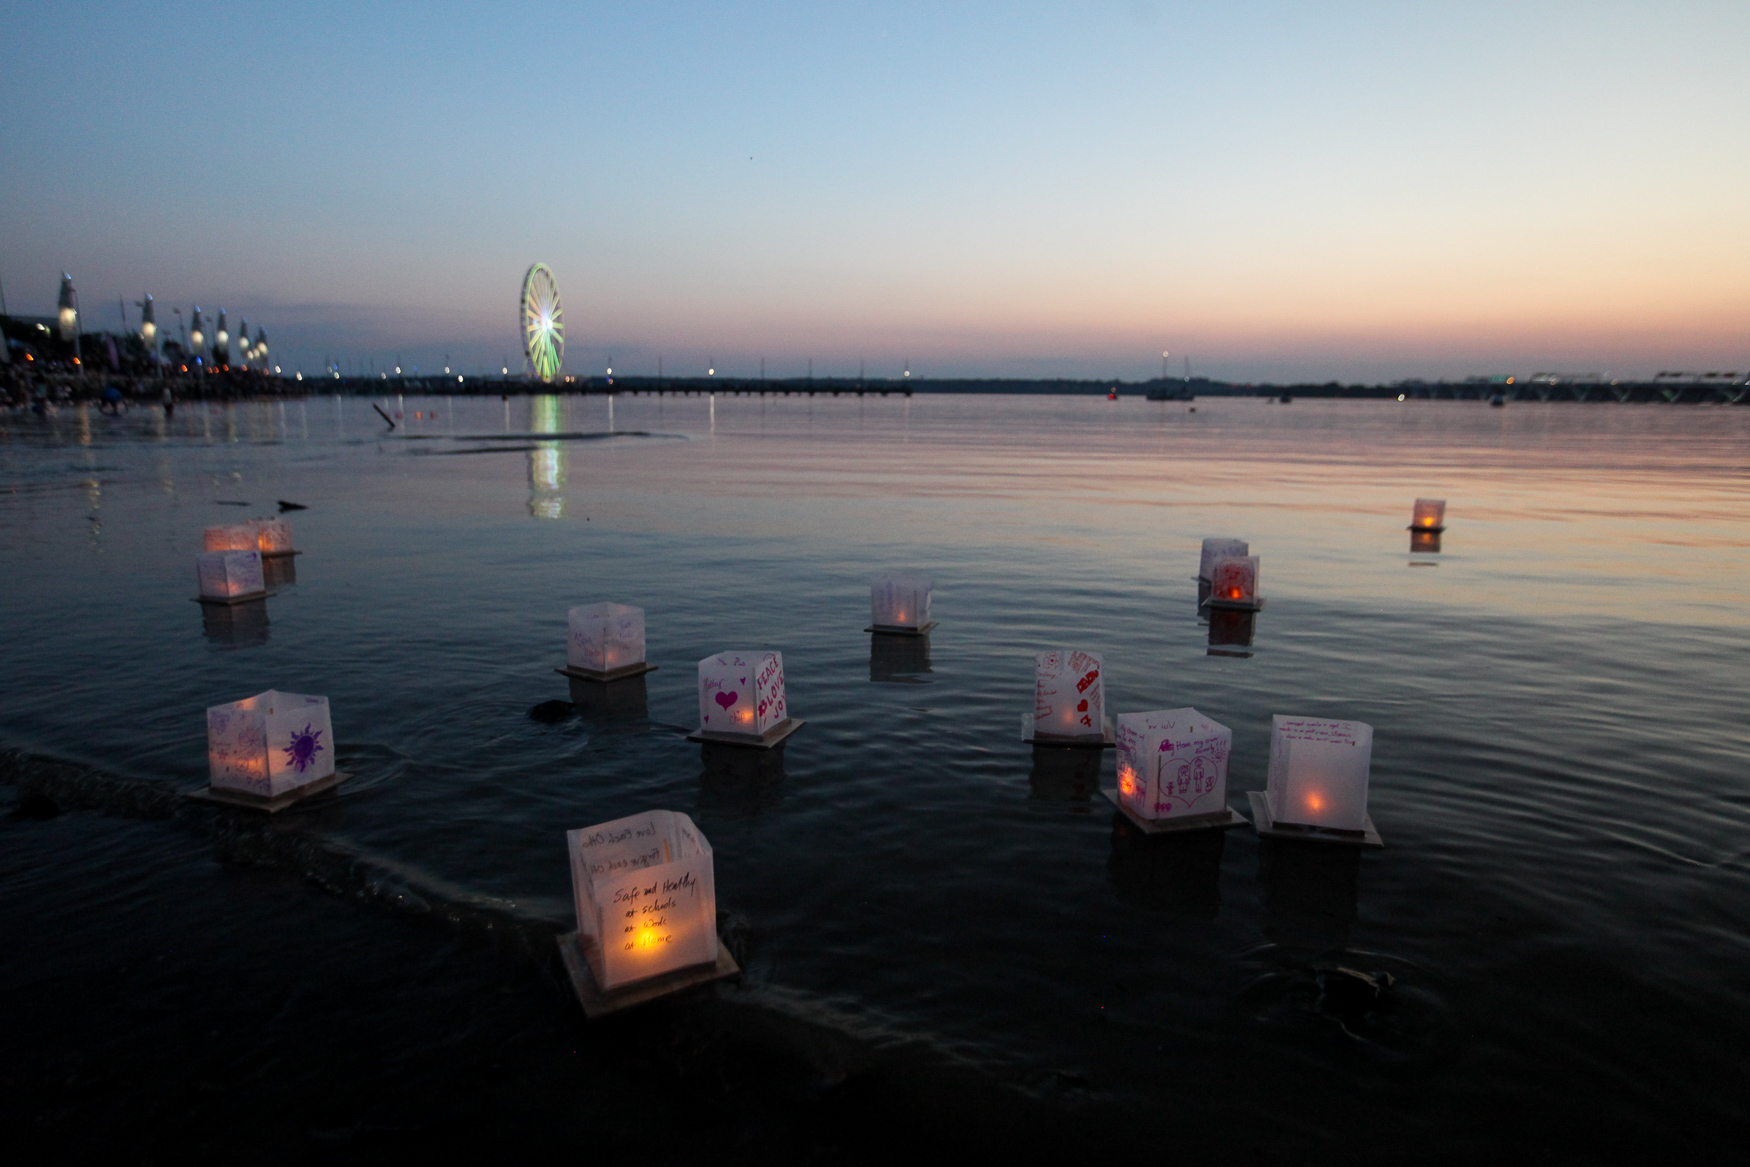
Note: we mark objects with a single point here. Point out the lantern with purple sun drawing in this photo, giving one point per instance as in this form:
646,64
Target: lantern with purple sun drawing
270,743
742,693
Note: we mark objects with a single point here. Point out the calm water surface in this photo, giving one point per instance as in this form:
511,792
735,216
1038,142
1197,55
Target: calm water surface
945,935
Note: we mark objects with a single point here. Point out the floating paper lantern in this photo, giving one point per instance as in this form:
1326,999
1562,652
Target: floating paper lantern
1429,515
900,603
230,537
1069,695
274,536
646,897
1318,773
269,744
742,693
1214,549
1234,583
229,575
606,639
1172,764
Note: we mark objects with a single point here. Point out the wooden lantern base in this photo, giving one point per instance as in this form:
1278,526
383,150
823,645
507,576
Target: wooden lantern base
1426,530
597,1003
279,554
1221,820
619,674
1270,829
226,796
770,739
1106,741
232,601
1255,604
899,630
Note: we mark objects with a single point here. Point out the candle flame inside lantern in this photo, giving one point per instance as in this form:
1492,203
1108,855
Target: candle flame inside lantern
1127,781
1233,593
1314,802
744,715
648,937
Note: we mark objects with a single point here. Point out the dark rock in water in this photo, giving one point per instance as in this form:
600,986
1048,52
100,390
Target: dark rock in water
291,506
1349,993
552,712
36,805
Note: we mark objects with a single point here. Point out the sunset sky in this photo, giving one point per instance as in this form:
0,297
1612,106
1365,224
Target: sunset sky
1281,191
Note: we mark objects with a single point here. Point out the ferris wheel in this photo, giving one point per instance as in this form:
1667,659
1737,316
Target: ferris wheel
543,323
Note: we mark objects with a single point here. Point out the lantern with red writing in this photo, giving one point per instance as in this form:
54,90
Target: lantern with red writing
742,699
1318,773
1069,696
1429,514
1214,549
1172,765
1234,583
646,896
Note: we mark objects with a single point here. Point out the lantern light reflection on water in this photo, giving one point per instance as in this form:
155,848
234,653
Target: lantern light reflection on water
227,575
646,896
1172,764
605,637
1318,773
270,743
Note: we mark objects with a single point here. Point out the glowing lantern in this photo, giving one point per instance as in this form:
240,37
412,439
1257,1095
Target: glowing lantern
1172,764
741,699
646,897
900,603
226,576
230,537
1234,583
1214,549
270,744
1318,777
1069,696
273,536
606,642
1429,515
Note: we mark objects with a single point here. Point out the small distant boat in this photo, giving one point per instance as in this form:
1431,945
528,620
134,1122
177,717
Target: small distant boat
1497,400
1162,391
1286,399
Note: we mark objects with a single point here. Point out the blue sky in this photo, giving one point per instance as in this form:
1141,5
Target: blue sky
1283,191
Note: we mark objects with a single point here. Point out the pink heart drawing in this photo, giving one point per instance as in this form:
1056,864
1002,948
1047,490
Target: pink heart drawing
727,699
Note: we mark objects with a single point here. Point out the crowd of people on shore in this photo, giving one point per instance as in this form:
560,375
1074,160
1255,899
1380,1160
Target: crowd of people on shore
41,387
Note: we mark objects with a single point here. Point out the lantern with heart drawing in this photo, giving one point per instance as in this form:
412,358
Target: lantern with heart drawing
742,693
229,575
230,537
1069,699
1172,764
269,744
646,896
